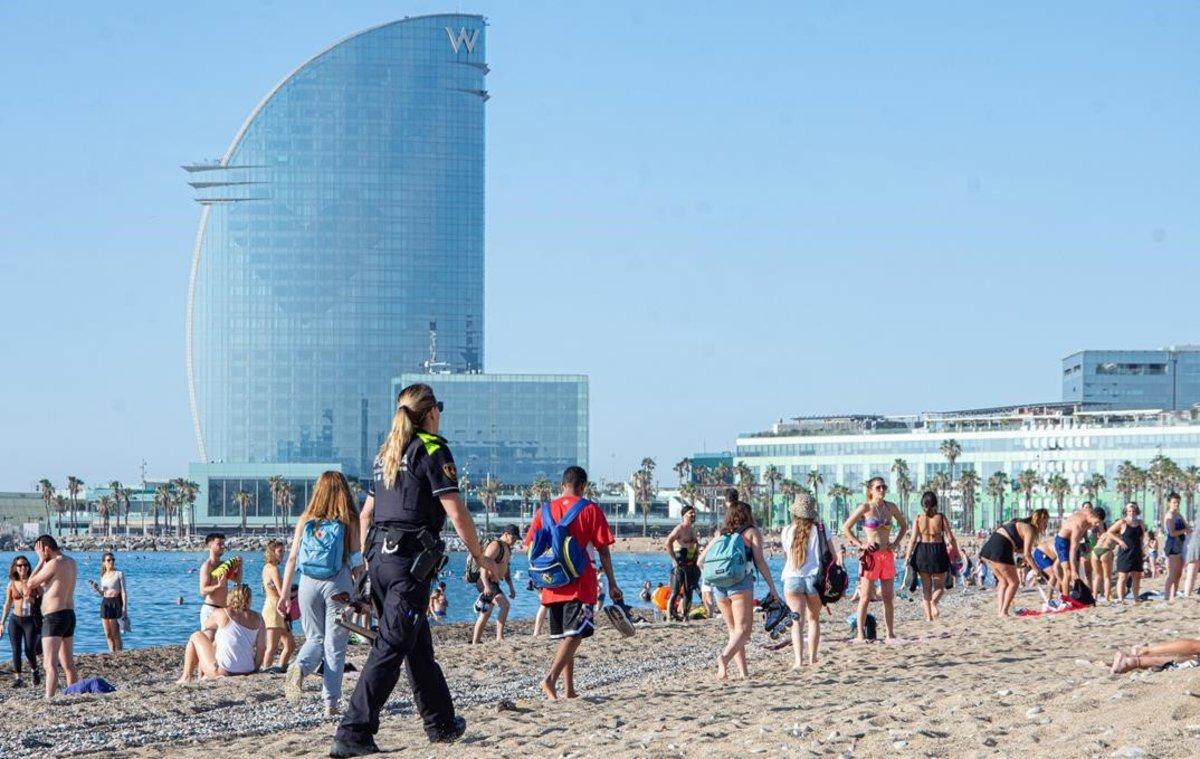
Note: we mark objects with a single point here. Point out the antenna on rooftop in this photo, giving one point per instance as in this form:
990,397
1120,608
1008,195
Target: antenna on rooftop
431,364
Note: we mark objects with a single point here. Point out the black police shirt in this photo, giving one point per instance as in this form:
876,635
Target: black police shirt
427,472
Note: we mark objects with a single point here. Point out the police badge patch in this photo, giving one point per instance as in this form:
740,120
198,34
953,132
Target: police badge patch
451,471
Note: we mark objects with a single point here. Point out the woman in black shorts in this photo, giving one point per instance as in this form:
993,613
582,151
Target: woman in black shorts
113,600
927,551
1018,535
1130,534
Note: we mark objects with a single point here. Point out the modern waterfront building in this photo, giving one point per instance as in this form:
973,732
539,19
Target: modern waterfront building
1067,439
1134,379
513,427
346,214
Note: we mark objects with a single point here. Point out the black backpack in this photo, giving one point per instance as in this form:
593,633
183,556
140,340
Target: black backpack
1082,593
834,579
471,571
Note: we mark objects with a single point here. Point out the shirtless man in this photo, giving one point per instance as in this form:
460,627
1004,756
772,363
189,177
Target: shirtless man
683,546
499,551
879,551
214,591
1067,544
55,575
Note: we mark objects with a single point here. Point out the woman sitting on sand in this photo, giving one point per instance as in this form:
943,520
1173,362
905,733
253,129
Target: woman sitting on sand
1129,532
1000,549
278,630
736,601
238,640
802,576
927,548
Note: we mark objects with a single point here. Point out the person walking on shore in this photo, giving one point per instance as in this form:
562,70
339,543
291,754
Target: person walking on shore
414,490
24,626
727,564
683,546
279,638
490,594
802,578
927,550
1175,531
878,560
325,546
114,602
570,605
999,552
55,578
214,578
1130,534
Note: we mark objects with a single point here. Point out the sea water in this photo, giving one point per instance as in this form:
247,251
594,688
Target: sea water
157,580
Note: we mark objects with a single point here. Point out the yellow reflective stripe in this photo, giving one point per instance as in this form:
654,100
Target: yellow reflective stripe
432,442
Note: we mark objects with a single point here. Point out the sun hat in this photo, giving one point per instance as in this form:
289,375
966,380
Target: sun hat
804,507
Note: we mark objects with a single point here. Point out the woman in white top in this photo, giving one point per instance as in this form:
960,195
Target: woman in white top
113,601
802,575
238,640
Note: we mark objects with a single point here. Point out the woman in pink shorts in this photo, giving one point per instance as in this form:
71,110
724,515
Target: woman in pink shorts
878,561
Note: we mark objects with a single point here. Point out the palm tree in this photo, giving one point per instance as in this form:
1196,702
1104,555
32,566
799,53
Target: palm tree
838,495
187,491
46,488
997,488
488,492
61,502
814,480
644,491
1058,487
242,498
287,497
772,477
1160,476
968,483
940,484
1140,478
74,485
904,483
104,506
1189,482
746,483
275,483
1093,486
683,470
1126,480
542,489
162,500
1027,482
951,450
118,495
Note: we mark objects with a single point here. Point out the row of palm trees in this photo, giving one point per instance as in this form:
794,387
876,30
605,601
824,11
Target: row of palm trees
174,500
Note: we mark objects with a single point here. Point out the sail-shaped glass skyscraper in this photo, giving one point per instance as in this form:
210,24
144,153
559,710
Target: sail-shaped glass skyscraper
346,215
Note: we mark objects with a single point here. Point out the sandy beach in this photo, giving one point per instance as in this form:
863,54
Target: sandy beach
967,685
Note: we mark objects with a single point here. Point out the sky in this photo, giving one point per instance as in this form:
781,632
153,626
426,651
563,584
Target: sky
787,209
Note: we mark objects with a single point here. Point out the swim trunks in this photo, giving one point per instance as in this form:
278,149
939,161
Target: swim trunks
1043,561
59,624
1062,547
882,565
570,619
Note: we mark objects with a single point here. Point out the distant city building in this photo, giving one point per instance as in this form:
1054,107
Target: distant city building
1067,439
1134,379
346,215
19,509
513,427
707,462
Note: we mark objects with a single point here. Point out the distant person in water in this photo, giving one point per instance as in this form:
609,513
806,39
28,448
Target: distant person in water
683,546
878,561
55,578
214,590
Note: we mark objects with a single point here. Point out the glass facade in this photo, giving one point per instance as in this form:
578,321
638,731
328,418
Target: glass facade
514,427
218,482
346,216
1164,379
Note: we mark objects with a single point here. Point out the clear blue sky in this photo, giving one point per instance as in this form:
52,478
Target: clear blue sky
794,209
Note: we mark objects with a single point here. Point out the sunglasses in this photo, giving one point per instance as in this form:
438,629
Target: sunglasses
440,406
22,566
879,487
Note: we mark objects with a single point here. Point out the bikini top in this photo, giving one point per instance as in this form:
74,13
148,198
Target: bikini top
873,521
1015,534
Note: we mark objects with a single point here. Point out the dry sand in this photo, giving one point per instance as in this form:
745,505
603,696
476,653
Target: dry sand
971,685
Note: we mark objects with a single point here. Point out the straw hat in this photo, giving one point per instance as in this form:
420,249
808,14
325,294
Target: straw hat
804,507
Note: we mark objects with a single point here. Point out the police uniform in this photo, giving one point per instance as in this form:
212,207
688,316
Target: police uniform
402,513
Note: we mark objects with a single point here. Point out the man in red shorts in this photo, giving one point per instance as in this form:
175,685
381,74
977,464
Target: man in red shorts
571,607
879,551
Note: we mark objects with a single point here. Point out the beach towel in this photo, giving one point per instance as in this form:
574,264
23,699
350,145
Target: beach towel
90,685
1067,604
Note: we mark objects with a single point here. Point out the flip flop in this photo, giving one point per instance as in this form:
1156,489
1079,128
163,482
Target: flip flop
618,616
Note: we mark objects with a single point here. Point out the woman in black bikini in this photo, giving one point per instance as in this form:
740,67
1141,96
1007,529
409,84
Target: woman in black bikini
927,549
1130,534
1018,535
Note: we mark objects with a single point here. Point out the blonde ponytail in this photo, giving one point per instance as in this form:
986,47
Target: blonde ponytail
801,529
413,403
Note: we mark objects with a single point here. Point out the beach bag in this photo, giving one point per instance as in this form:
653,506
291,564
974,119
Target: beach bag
834,579
555,558
90,685
1082,594
321,548
725,563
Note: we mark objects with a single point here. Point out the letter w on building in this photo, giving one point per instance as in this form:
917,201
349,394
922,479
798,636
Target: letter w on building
463,38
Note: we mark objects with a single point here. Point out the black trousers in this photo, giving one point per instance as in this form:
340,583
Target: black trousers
24,632
684,580
404,639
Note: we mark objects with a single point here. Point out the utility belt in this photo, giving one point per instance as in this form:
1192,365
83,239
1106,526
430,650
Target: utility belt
427,548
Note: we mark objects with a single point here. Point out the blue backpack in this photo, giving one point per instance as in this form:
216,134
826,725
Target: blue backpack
555,558
321,548
725,563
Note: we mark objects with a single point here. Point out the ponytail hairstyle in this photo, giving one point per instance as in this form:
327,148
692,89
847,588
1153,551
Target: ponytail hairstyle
929,503
412,406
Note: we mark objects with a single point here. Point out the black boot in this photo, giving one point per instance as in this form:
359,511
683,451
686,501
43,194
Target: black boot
343,747
450,734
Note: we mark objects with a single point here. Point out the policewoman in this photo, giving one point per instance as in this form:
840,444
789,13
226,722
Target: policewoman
414,490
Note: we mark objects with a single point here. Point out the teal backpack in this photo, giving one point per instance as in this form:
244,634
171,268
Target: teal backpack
725,563
321,548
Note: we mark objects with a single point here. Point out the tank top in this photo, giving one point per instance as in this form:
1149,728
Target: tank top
1132,535
234,648
1011,529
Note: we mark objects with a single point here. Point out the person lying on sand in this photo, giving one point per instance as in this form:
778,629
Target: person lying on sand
238,640
1157,655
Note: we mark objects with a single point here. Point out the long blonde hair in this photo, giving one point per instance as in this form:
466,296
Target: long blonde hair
269,556
239,598
412,406
799,550
331,499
